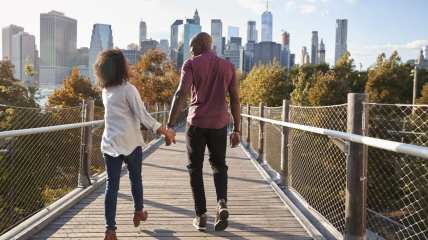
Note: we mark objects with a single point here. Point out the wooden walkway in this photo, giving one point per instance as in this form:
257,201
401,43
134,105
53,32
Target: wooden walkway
256,211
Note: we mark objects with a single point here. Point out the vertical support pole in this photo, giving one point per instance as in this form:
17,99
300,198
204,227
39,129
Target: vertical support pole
356,172
284,142
248,125
86,144
261,133
165,114
240,125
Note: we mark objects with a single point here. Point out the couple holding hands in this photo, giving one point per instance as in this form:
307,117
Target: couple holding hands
209,79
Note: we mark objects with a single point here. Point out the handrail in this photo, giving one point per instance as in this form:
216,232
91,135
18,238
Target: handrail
392,146
31,131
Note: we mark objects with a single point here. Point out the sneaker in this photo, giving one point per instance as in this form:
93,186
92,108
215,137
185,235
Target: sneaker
110,235
140,216
200,222
221,222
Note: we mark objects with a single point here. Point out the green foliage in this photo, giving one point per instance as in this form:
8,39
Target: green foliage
390,81
266,83
328,90
424,95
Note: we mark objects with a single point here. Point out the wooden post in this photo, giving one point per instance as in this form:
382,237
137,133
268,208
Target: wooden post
248,125
86,144
356,172
284,142
261,133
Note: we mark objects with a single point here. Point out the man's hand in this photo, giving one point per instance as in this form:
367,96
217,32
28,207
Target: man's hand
169,136
235,139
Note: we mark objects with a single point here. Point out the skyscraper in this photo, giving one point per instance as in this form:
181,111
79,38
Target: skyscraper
314,48
341,38
251,31
322,53
267,23
425,49
217,35
174,39
190,29
285,50
58,39
232,31
23,53
7,34
305,56
102,39
164,45
234,52
196,18
148,45
267,52
143,32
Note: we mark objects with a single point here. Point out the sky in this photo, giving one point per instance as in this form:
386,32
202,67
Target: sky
375,26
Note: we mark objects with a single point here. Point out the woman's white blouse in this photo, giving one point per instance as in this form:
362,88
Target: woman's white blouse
124,112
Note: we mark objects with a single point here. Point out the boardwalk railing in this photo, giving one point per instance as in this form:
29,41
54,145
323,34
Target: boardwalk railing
358,169
46,153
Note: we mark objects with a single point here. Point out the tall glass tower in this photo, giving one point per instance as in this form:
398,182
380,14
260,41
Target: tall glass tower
341,38
143,32
314,48
102,39
267,23
217,35
251,31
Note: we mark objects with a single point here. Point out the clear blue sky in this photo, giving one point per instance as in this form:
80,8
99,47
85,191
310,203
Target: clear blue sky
374,25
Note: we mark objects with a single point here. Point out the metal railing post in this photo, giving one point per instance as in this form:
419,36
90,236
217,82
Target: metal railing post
165,114
261,133
248,126
241,119
356,172
86,144
284,142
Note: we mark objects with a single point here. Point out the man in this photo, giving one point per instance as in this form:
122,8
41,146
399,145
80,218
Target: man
210,79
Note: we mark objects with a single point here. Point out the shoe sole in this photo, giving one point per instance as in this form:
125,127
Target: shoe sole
137,223
199,228
222,222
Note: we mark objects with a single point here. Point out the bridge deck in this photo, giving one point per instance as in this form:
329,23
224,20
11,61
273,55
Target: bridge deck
256,211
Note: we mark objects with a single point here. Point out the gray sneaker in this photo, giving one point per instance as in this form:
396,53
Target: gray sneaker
221,222
200,222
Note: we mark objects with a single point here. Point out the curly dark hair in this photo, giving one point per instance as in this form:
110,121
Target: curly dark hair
111,68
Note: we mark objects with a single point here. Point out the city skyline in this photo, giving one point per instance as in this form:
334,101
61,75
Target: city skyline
369,34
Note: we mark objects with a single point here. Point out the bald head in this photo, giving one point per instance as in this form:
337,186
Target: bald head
200,43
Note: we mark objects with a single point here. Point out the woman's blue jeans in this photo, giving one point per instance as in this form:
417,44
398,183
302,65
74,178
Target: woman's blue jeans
114,169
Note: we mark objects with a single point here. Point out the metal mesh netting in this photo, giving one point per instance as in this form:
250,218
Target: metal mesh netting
255,125
398,183
273,138
36,170
317,167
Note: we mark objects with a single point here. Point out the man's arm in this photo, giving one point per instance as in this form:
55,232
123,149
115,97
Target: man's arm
180,95
235,105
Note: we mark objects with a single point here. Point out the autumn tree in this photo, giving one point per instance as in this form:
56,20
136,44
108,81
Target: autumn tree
390,80
266,83
328,90
424,95
155,77
76,88
303,79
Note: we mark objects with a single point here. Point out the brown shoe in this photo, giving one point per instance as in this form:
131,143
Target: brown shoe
110,235
140,216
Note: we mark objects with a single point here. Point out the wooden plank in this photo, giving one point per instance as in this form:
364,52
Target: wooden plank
256,211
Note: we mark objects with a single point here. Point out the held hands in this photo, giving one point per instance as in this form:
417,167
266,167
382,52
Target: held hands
235,139
169,136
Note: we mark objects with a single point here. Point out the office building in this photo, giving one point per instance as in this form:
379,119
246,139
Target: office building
292,60
314,48
132,55
196,18
174,39
81,61
58,39
7,34
249,56
164,46
267,25
341,38
190,29
322,53
422,61
425,50
252,32
232,32
304,57
148,45
285,50
101,39
267,52
143,32
235,53
217,36
132,46
24,53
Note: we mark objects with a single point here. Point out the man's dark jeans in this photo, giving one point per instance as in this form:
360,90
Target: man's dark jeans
216,140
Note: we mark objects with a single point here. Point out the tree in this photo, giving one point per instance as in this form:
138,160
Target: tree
266,83
328,90
424,95
303,79
76,88
155,77
390,81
